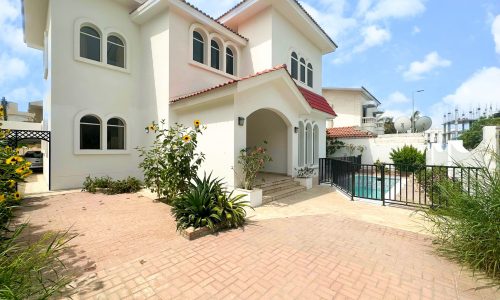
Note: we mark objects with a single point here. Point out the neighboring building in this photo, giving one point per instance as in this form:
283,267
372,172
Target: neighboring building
355,107
13,114
113,66
36,108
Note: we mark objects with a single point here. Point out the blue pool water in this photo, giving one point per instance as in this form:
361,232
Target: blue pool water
371,186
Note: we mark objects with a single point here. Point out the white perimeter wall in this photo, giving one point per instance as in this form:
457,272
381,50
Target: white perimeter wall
380,148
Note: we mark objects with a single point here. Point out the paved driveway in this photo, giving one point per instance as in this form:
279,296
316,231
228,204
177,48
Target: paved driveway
127,247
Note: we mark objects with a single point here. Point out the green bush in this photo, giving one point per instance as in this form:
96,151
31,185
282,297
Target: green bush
252,161
467,229
207,204
407,159
473,137
429,180
172,161
112,187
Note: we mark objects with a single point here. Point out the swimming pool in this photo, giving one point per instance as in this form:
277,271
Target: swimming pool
370,187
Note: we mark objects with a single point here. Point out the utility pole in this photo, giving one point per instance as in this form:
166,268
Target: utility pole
413,114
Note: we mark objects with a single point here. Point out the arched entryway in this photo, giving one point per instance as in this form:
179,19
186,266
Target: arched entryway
267,125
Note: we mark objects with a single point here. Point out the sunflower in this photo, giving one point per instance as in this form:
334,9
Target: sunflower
18,159
8,161
2,198
197,123
186,138
17,196
12,183
20,170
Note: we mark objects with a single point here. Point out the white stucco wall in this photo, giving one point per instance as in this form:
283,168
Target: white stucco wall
78,86
287,38
217,140
348,106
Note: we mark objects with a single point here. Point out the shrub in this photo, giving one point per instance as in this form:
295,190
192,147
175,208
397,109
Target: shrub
207,204
473,137
171,162
252,161
27,270
407,159
110,186
467,229
429,181
305,172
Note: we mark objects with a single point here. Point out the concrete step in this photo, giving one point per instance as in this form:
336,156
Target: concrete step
282,194
279,187
277,181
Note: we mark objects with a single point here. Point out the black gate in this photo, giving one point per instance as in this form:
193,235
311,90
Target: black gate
13,137
396,184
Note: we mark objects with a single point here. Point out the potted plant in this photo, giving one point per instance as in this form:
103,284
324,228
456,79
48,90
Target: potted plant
252,161
305,177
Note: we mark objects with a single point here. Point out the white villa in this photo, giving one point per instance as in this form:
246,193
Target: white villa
114,66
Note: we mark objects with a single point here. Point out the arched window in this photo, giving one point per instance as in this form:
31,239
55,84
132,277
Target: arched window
90,43
295,66
316,144
301,144
309,75
214,55
230,61
198,47
309,143
303,70
90,133
116,51
116,134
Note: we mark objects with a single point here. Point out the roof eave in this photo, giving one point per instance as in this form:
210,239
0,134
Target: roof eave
34,14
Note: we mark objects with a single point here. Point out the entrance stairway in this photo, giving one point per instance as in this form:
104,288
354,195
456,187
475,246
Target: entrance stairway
278,187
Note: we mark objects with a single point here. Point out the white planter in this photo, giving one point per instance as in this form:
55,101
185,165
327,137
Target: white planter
306,182
254,197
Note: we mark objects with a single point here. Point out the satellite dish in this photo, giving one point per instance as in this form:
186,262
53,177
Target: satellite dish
402,124
423,124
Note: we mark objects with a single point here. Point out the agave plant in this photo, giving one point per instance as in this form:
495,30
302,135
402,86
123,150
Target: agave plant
207,204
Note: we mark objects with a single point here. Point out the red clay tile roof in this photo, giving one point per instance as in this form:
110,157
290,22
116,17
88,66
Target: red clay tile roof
348,132
301,7
205,14
317,101
227,83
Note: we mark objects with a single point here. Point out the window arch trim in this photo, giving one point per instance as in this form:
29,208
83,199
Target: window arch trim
124,45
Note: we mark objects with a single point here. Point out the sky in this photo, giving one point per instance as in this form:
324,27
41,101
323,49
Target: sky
448,48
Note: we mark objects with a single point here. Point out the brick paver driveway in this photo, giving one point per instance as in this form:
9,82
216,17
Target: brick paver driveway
127,247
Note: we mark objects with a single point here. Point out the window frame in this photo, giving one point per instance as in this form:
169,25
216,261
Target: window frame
310,75
302,70
124,46
218,54
124,126
99,124
99,38
294,65
231,56
203,45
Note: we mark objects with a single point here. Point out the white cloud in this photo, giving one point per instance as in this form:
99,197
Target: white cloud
416,30
482,88
330,17
397,97
418,69
10,11
495,30
386,9
372,36
396,113
12,68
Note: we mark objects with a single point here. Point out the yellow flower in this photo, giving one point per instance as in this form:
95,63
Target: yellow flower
12,183
10,160
20,170
28,164
17,196
186,138
2,198
18,159
197,123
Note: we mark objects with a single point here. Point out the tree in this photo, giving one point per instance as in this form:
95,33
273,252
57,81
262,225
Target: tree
474,135
389,127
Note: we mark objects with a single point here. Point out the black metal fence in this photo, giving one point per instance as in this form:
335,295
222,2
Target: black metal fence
397,184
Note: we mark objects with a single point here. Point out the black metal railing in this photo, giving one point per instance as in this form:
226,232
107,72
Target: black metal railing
415,185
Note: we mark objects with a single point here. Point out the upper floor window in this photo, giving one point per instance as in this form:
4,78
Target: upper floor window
116,134
198,47
229,61
295,66
214,55
303,70
90,43
90,133
116,51
309,75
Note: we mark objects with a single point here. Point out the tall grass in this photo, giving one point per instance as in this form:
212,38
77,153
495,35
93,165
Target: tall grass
467,228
